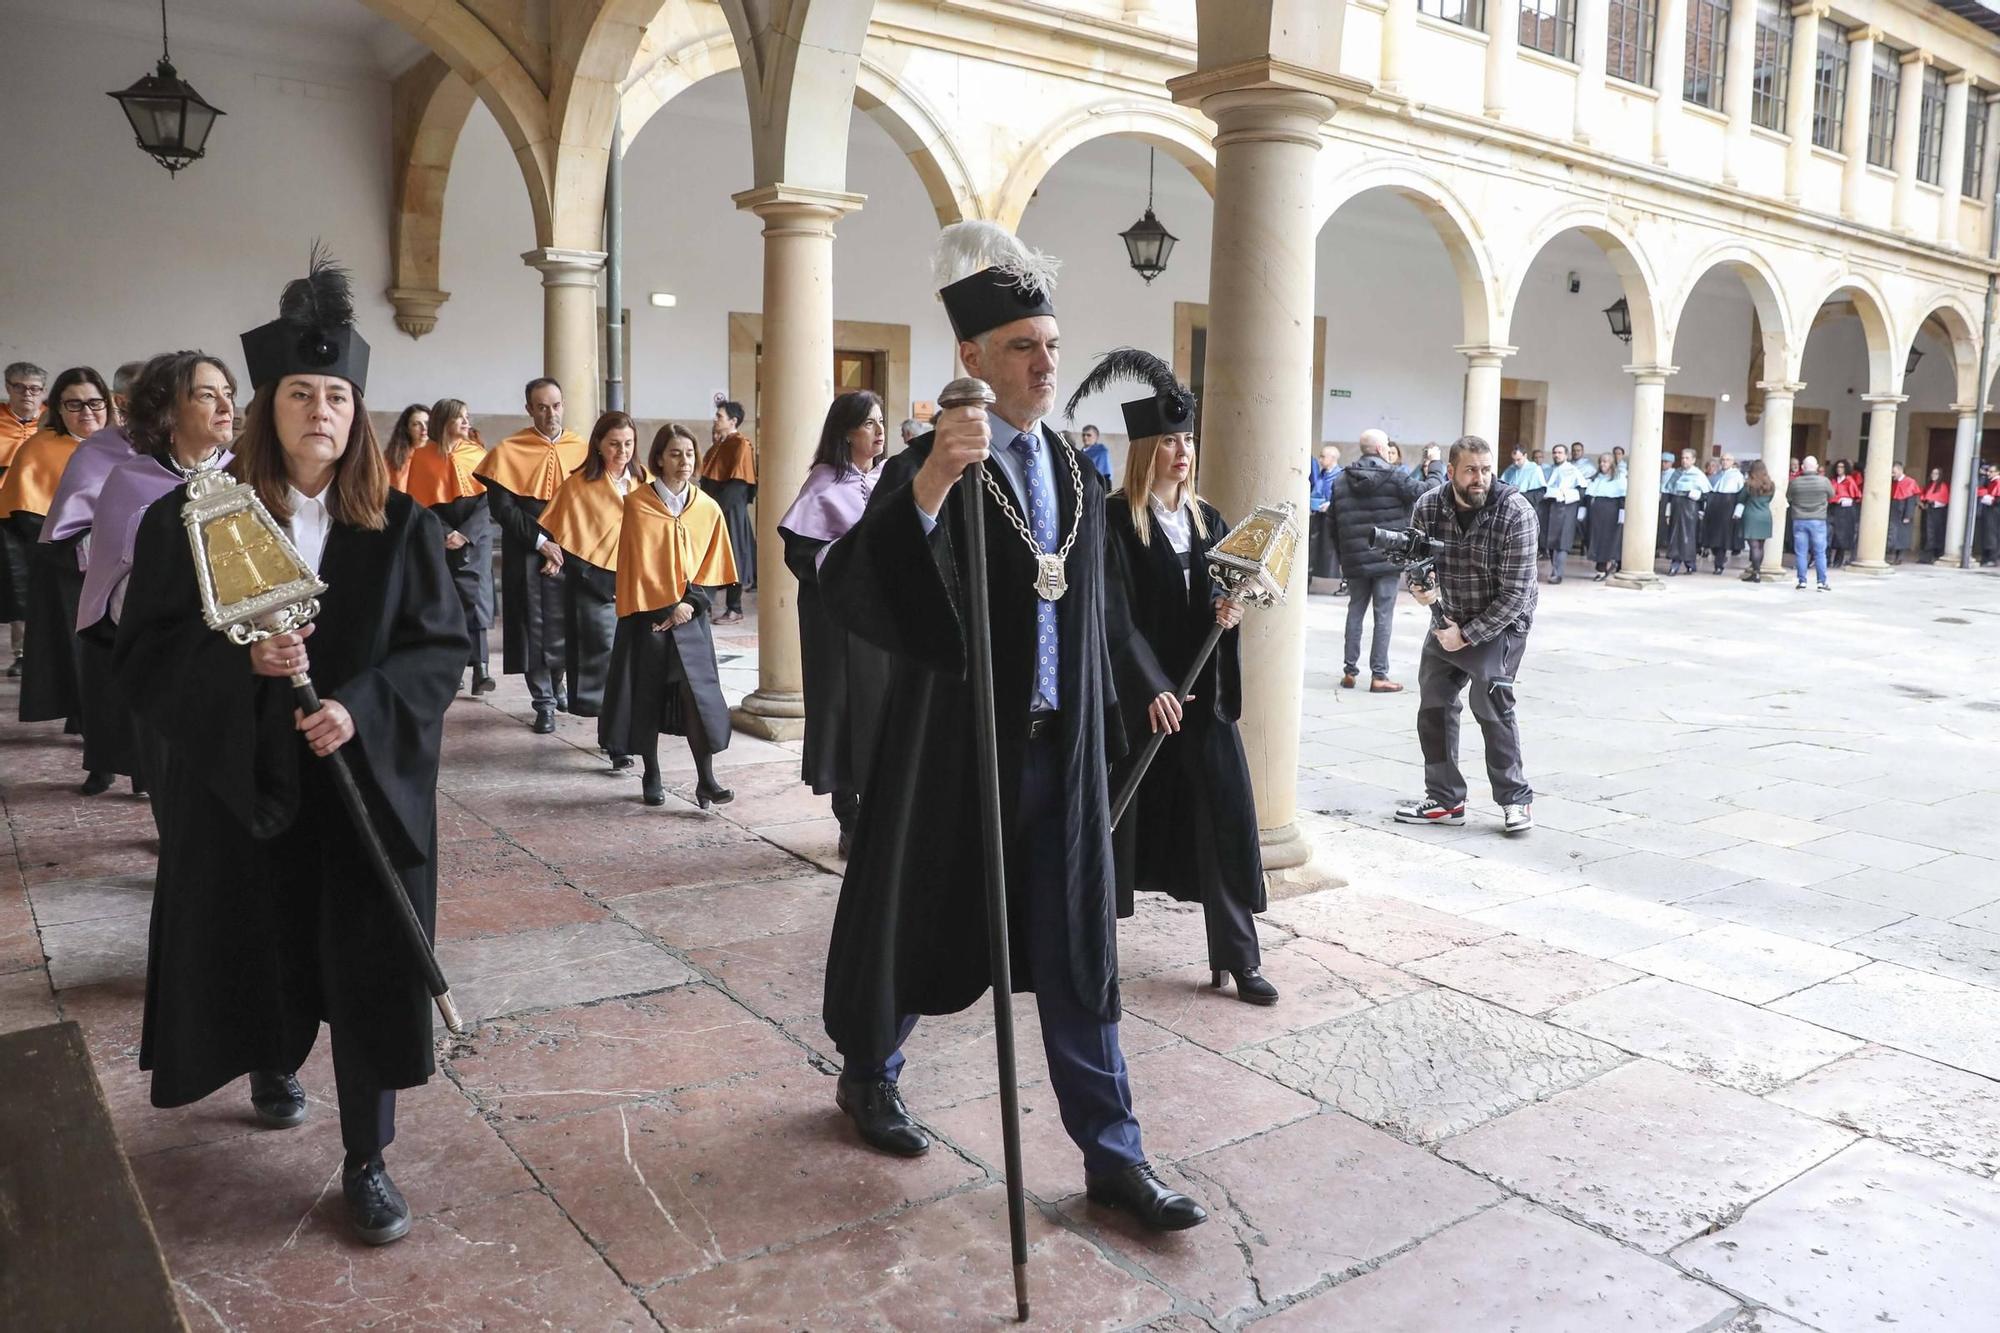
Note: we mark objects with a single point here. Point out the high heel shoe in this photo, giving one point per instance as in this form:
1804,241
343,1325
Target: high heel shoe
652,792
1251,987
706,796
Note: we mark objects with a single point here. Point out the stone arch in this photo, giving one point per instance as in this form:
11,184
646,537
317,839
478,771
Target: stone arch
674,73
1759,278
918,131
1951,310
800,58
1885,361
430,104
1463,240
1160,124
1636,274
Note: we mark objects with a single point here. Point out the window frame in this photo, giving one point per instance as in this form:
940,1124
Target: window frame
1557,22
1711,41
1930,127
1641,44
1471,14
1885,89
1770,92
1831,58
1977,107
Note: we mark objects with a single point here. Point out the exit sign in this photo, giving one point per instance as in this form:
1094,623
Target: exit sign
1340,393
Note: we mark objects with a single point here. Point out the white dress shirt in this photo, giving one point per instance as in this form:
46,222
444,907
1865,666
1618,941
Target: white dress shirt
1173,525
310,524
675,501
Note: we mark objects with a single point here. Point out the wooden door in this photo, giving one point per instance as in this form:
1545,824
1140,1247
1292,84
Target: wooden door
1512,412
1676,434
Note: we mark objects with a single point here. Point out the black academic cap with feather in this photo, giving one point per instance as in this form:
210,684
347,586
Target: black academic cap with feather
1170,408
314,332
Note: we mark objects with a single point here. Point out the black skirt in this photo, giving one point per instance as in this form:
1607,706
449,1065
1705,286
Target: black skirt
1843,526
50,685
1718,518
590,625
1934,519
643,697
1682,516
18,535
1607,529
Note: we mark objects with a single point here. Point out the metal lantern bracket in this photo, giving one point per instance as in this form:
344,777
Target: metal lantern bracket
1620,315
1147,243
170,119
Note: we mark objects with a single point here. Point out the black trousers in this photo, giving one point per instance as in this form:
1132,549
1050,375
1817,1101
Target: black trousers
1488,668
367,1111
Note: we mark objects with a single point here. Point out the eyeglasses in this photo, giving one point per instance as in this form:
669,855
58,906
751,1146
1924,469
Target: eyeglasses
89,405
26,389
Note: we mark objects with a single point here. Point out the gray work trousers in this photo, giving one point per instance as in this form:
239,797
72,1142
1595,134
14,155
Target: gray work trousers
1488,669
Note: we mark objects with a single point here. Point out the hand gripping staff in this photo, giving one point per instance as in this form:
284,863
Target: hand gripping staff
253,586
970,392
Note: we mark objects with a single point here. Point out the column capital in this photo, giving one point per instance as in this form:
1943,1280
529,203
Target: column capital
798,206
416,308
1916,56
1267,81
1781,388
1966,409
1488,353
1863,35
1653,374
1812,9
1884,399
1957,77
566,268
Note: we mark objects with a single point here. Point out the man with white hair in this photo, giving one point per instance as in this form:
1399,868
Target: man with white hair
911,429
1369,494
1807,498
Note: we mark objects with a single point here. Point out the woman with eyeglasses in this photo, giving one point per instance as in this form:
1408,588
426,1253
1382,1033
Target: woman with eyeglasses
438,474
44,588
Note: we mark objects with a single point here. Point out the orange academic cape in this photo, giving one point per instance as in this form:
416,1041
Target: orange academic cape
436,478
586,518
735,459
660,555
533,466
30,485
14,432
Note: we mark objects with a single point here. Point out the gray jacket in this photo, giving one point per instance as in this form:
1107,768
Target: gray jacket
1808,494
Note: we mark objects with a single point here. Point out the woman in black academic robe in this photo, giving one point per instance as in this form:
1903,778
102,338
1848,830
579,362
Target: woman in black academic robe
267,917
845,676
1933,504
1191,831
440,476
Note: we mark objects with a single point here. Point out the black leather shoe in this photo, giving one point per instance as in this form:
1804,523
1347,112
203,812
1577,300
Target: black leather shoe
1251,987
877,1110
374,1205
96,784
545,720
484,684
278,1100
706,796
1140,1192
620,762
653,792
562,702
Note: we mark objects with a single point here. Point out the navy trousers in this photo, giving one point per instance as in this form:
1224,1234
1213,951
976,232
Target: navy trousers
1086,1064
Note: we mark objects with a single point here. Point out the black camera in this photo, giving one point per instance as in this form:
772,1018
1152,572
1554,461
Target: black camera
1409,549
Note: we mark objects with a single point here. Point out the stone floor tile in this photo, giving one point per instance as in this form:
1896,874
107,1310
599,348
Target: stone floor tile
1949,1021
1939,826
1916,1104
49,858
716,914
1376,926
1800,800
1710,1035
1647,1154
814,840
539,1066
547,969
67,902
1431,1064
26,1000
506,1263
781,977
1873,1238
1763,1320
1981,918
1525,975
1946,948
1692,775
731,857
1470,886
1669,837
1316,981
1743,962
1574,855
1276,1231
943,1264
1813,915
1959,869
1598,922
1778,830
1565,815
1868,849
710,1175
1658,877
105,948
1911,893
1787,865
1511,1268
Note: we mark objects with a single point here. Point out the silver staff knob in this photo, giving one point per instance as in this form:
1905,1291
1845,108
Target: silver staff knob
967,391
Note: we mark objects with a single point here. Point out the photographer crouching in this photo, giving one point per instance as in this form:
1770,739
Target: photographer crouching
1482,535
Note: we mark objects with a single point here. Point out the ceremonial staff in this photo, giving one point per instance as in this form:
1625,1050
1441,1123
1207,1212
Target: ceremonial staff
1253,564
254,586
970,392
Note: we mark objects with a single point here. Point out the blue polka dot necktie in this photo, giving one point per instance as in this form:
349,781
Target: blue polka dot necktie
1041,522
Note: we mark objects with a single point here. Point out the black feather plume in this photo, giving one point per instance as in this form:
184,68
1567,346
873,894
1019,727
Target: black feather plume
323,299
1140,367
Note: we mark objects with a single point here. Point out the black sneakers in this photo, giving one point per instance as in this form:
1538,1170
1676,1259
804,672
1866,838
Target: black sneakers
374,1205
278,1100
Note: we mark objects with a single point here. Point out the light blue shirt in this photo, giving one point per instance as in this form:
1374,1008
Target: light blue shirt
1565,482
1612,487
1727,482
1686,481
1525,477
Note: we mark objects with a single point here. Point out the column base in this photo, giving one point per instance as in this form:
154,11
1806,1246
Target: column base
1289,867
1867,567
1645,580
771,715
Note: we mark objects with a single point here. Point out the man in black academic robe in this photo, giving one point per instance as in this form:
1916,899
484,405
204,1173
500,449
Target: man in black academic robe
910,934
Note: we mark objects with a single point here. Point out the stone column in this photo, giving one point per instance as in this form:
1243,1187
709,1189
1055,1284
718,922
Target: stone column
1592,26
1642,472
1259,391
797,385
1399,37
569,327
1964,449
1739,64
1909,119
1669,80
1799,96
1503,42
1779,396
1873,542
1854,132
1482,389
1992,153
1957,92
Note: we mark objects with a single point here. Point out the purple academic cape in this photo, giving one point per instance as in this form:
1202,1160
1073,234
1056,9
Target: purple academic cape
83,477
829,503
121,502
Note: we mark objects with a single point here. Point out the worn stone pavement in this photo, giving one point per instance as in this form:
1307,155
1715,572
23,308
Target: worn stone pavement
1714,1048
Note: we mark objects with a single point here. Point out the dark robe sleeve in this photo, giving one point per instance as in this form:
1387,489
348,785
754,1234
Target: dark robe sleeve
802,556
398,703
196,688
698,599
510,513
894,584
1135,667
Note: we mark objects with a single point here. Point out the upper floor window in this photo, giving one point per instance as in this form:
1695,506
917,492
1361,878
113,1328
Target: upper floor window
1975,147
1628,51
1468,13
1930,127
1549,26
1707,50
1829,85
1882,91
1773,67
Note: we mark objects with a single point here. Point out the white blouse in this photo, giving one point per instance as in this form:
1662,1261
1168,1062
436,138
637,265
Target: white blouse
1173,525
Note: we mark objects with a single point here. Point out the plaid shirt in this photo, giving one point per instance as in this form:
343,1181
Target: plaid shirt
1486,575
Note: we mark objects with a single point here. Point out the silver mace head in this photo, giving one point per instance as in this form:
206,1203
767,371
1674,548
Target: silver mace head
967,391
